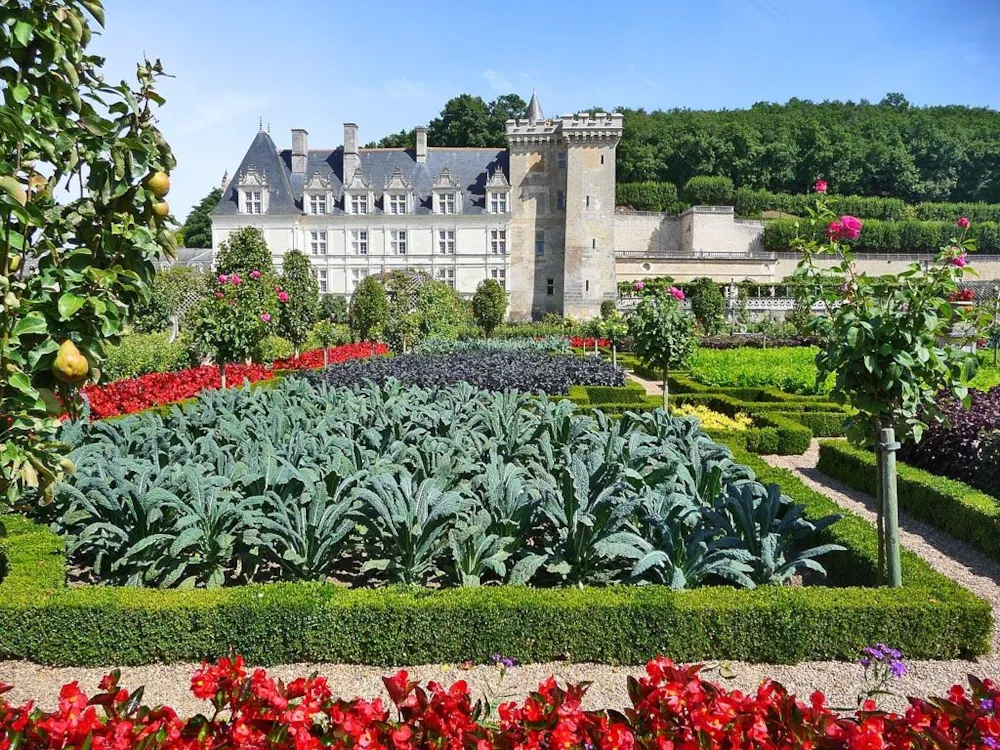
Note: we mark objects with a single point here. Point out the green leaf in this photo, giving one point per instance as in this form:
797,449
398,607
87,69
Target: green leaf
21,382
32,323
20,93
69,303
22,32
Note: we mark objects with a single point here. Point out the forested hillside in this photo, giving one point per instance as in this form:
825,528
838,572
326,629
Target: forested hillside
944,153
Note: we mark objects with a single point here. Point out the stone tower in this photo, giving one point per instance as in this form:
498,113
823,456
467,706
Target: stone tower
562,175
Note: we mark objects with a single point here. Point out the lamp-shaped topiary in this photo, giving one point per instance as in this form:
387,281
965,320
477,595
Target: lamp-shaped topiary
296,316
489,306
244,251
614,328
332,307
708,304
368,311
663,333
326,335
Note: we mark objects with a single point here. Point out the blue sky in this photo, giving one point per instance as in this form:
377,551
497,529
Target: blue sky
389,65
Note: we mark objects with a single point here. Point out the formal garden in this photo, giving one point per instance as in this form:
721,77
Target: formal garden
230,468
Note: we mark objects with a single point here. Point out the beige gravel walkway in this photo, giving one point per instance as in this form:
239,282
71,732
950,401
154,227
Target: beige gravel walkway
169,683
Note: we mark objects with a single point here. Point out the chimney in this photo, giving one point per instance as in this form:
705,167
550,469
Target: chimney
300,150
421,133
352,162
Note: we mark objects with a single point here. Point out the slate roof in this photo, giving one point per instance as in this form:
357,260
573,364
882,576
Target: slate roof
470,166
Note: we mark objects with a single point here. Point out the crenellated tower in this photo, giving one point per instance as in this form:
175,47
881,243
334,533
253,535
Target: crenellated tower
562,175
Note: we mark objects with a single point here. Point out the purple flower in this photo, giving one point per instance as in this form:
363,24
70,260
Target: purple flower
990,742
987,704
897,669
506,661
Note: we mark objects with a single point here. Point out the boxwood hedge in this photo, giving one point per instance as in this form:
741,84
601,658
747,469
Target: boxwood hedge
43,620
947,504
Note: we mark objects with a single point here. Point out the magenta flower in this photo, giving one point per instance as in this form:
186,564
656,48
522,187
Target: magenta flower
960,261
851,227
236,280
834,229
820,186
266,317
677,293
283,296
963,222
255,275
219,295
639,286
223,278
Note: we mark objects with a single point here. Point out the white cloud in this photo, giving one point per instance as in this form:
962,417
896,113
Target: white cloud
217,108
498,81
404,88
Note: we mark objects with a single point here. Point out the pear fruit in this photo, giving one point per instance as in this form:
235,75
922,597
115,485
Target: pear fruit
14,189
158,184
70,366
161,209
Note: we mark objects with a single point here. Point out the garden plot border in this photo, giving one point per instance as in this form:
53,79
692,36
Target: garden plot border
931,617
954,507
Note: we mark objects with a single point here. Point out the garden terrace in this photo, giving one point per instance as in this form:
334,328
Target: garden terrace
44,620
500,370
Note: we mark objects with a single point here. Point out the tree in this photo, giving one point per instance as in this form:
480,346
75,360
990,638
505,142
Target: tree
299,313
197,229
441,310
614,328
402,139
707,304
369,307
174,290
236,315
243,252
333,307
72,270
663,333
467,120
885,339
489,306
326,335
402,322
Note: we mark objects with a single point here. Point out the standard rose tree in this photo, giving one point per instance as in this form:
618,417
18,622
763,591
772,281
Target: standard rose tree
663,333
885,340
65,132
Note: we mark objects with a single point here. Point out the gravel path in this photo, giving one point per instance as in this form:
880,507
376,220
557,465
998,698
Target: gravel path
838,680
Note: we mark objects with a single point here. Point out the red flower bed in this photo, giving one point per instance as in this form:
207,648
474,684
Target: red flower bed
672,709
581,342
157,388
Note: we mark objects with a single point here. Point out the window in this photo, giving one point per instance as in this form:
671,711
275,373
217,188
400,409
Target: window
550,286
560,200
446,203
359,241
357,276
359,204
317,205
317,243
586,285
499,275
540,243
397,205
398,241
321,279
593,242
447,275
254,204
446,241
498,241
562,160
498,202
588,201
602,158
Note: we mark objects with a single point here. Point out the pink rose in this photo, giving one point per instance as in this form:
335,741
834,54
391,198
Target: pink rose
283,296
219,295
963,222
960,261
820,186
834,230
255,275
851,227
677,293
639,286
266,317
236,280
223,278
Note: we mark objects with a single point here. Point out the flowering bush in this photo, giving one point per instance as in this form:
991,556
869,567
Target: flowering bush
672,708
158,388
663,333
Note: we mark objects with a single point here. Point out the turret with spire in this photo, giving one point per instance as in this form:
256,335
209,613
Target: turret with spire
534,113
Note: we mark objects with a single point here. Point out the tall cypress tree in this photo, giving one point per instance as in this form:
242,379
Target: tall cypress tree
197,227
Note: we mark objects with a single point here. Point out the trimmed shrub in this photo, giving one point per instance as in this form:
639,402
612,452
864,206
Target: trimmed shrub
141,353
489,306
887,236
749,202
709,191
948,505
646,196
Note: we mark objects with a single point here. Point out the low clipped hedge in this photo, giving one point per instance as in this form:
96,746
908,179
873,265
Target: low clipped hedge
930,617
887,236
946,504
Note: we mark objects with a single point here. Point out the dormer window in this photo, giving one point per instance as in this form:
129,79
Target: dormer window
397,194
318,195
358,195
447,194
497,189
252,192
